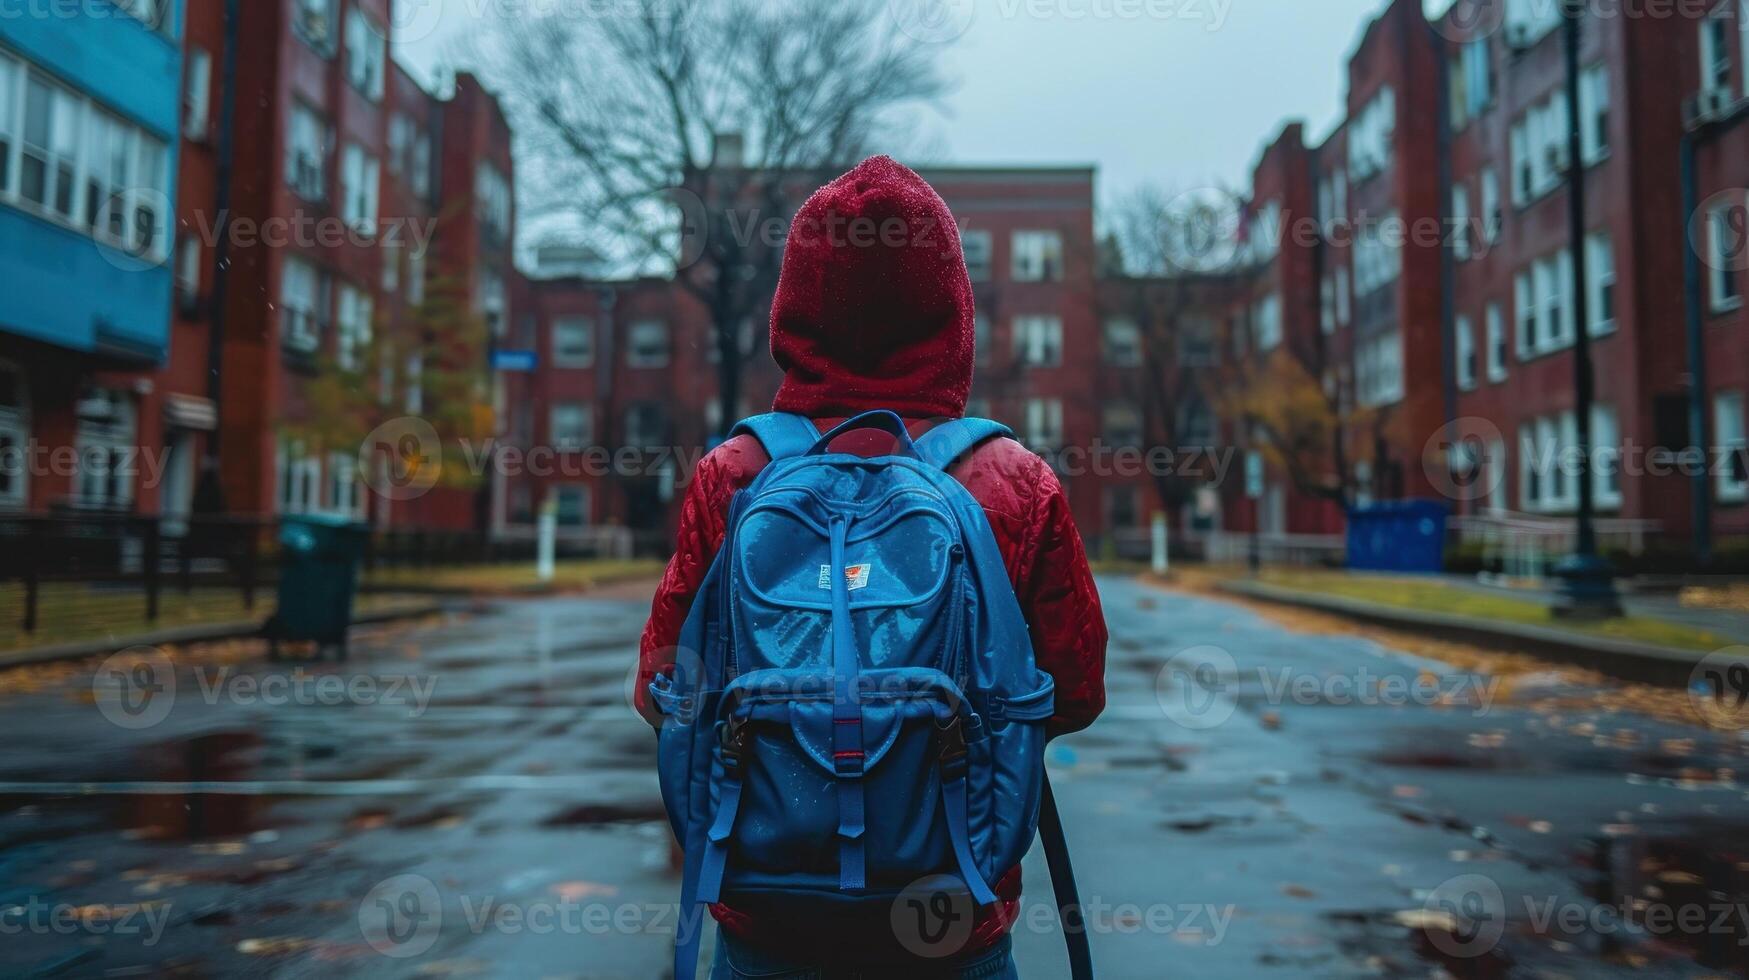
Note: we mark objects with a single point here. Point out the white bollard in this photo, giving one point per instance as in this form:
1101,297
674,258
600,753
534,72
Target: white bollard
548,529
1160,558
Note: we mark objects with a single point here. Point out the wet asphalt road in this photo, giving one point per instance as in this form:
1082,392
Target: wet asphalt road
474,798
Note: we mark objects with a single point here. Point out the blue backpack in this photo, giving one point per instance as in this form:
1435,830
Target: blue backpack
854,706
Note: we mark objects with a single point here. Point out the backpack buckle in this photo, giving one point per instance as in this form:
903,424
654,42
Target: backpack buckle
953,748
731,742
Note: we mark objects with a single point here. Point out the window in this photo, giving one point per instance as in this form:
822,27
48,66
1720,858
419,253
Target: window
1539,147
977,249
1044,423
982,343
1378,370
1378,254
9,75
1038,256
1743,39
1496,343
1122,512
1530,483
1370,134
400,143
345,492
1545,305
1122,425
1266,321
49,147
1493,217
1715,50
301,309
1123,342
573,342
490,302
415,375
1605,457
647,344
14,435
391,267
1038,340
1196,341
420,164
197,93
360,179
1339,193
1466,353
1600,283
1728,434
1264,233
1478,77
1460,222
1529,21
188,257
1727,252
492,204
306,154
1327,305
416,276
1196,423
1344,308
354,322
646,425
571,505
571,425
104,437
364,54
1594,113
148,12
1528,340
314,20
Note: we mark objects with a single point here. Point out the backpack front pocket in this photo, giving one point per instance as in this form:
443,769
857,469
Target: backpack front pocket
808,807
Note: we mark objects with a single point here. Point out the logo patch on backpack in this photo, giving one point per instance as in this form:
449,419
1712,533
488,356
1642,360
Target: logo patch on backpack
855,576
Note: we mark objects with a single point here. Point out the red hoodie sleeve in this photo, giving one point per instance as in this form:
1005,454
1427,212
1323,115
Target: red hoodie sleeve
703,514
1062,609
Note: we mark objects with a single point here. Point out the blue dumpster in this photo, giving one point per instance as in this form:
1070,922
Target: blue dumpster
318,577
1399,536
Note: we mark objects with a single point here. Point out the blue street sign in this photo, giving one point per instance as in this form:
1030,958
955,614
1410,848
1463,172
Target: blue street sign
519,361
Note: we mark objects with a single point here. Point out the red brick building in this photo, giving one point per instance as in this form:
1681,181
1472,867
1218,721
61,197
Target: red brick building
1716,110
1513,324
357,196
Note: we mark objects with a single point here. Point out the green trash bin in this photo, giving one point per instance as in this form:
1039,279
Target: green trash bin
318,577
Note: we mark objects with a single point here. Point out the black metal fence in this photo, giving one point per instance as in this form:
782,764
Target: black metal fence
78,575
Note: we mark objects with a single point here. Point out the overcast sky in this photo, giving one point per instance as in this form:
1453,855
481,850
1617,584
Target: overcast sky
1179,93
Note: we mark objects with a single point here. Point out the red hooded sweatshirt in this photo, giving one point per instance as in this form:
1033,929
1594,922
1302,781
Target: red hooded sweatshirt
874,310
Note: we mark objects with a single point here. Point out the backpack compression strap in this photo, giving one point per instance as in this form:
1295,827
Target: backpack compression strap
783,435
947,442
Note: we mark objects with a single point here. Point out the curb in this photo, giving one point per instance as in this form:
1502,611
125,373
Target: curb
1622,659
197,633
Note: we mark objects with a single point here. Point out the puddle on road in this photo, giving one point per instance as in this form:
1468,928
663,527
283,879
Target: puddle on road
1687,892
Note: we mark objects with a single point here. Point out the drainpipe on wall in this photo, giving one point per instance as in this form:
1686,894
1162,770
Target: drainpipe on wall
1697,421
209,495
1447,256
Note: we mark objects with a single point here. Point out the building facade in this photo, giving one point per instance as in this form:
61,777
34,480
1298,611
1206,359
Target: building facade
369,266
90,112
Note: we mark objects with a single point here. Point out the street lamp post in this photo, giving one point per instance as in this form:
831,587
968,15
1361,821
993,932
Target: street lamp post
1587,582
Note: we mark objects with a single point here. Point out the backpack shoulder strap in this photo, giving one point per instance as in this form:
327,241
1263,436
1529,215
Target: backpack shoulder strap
941,446
782,434
1068,898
